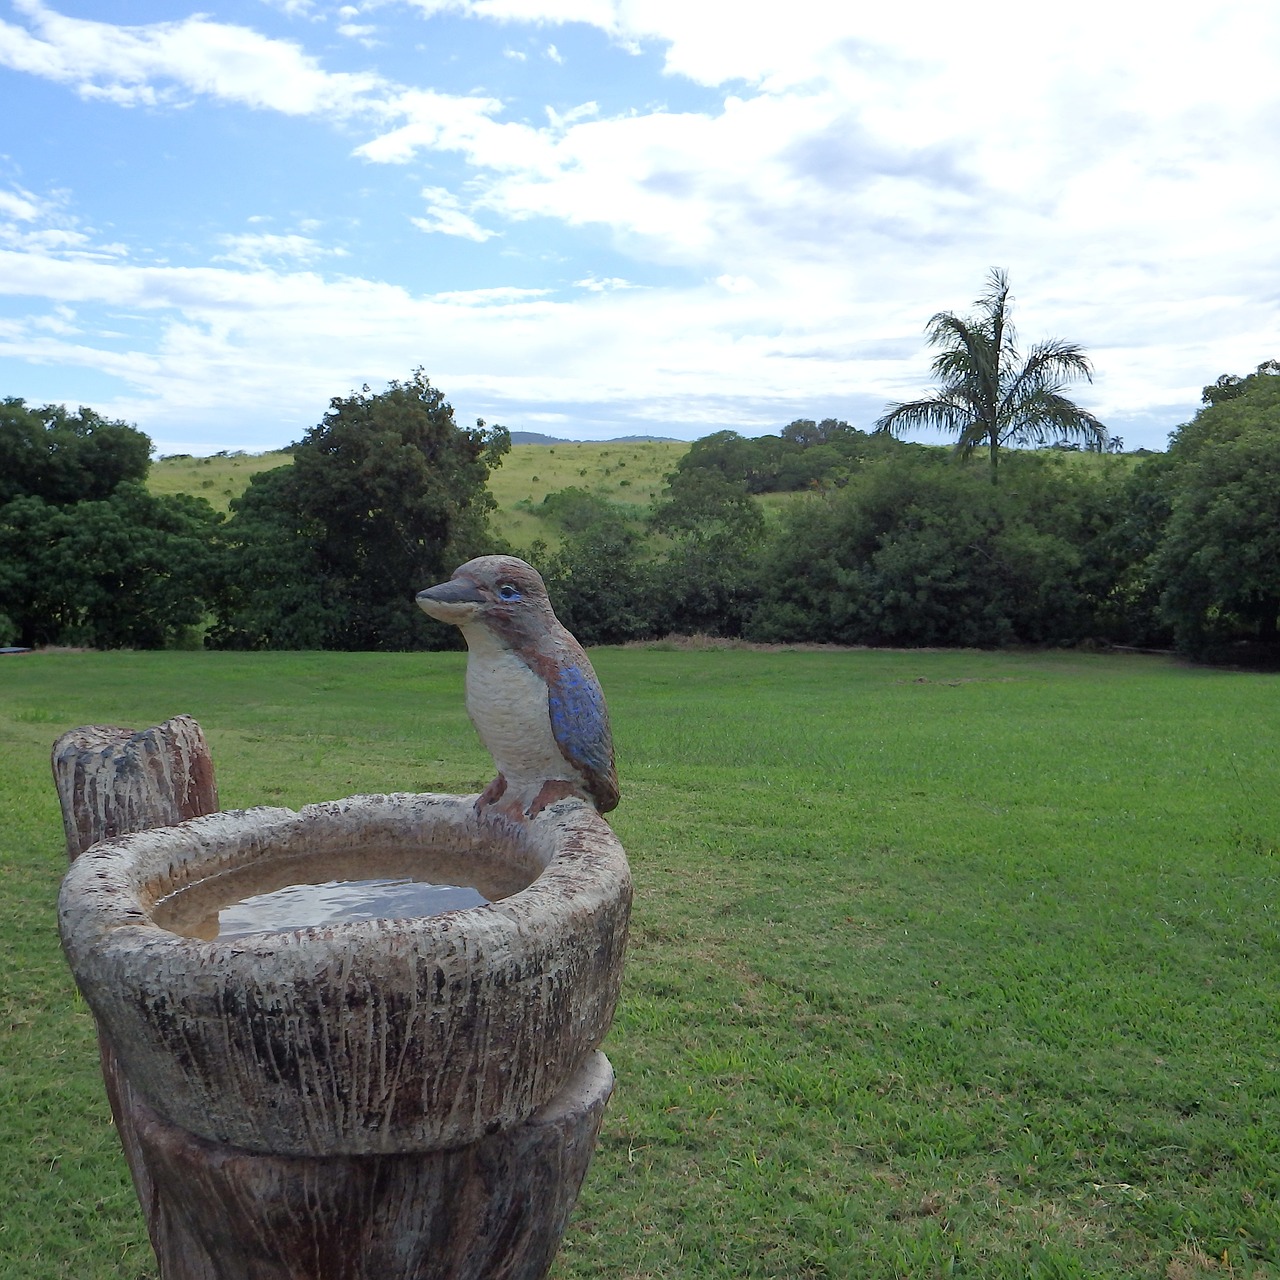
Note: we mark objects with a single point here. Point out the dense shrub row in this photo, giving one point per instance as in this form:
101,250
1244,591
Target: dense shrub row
877,542
894,544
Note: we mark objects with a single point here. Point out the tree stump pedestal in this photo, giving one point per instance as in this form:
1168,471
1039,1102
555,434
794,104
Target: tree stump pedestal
384,1099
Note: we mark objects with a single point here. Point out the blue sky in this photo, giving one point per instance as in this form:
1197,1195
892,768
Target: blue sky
603,217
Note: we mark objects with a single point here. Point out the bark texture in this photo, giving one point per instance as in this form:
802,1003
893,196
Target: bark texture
493,1210
112,782
406,1100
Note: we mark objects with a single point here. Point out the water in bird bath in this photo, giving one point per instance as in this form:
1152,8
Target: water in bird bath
275,898
302,906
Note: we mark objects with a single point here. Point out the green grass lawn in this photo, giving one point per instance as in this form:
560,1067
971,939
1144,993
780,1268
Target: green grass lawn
941,963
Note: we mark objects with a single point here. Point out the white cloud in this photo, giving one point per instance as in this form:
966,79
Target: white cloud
593,284
560,121
488,297
431,121
165,60
257,249
840,186
19,205
446,216
228,333
61,321
295,8
37,224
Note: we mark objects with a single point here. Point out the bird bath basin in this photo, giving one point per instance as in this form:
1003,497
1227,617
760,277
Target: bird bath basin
285,894
398,1033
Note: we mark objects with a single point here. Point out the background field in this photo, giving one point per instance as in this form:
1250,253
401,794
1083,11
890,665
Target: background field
216,479
632,473
941,963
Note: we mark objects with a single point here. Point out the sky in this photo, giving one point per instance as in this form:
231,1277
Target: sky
593,218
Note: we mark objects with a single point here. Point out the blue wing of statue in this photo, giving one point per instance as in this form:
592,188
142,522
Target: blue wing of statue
580,725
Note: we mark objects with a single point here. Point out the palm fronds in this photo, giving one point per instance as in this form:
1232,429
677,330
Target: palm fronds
988,395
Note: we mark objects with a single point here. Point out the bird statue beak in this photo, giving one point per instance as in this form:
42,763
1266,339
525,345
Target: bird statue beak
453,601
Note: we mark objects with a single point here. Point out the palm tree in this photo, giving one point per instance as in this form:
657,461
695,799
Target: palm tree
989,394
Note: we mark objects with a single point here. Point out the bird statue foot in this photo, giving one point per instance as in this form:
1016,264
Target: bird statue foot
491,794
513,808
552,790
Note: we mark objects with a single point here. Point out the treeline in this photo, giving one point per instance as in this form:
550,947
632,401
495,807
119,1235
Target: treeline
387,493
870,541
889,543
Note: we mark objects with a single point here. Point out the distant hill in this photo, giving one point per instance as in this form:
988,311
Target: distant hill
535,437
632,472
217,479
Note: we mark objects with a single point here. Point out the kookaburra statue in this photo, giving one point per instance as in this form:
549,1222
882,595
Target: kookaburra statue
531,692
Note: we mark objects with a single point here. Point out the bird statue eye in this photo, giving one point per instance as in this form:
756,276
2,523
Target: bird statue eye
507,592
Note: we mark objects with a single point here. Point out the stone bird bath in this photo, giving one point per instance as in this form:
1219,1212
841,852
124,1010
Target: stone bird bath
379,1099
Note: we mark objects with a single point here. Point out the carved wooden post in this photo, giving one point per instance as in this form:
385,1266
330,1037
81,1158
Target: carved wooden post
112,782
377,1100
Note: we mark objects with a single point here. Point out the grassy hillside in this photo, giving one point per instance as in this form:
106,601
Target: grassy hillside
941,963
629,473
217,479
633,474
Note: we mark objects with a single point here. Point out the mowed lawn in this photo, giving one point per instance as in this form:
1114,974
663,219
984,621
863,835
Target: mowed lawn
942,963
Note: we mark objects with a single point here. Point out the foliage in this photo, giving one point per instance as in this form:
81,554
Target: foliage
386,495
1122,520
87,555
1230,386
821,533
940,964
805,455
701,497
62,457
708,581
600,584
272,589
130,569
989,395
1217,563
574,509
918,553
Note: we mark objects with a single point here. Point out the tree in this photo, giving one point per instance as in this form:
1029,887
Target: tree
915,552
1217,563
806,433
128,570
696,498
989,395
64,457
386,495
87,555
599,585
1231,386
